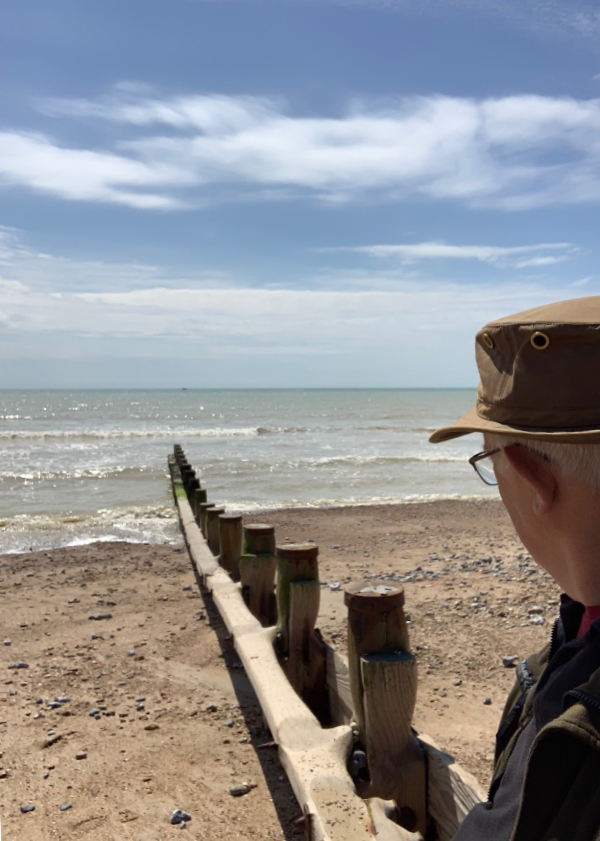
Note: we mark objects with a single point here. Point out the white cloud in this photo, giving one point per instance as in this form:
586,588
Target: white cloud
483,253
511,153
404,325
40,271
251,319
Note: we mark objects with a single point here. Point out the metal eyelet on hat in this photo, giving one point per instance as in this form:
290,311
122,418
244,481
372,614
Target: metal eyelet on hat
540,341
487,340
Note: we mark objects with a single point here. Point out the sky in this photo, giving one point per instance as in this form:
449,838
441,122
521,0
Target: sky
295,193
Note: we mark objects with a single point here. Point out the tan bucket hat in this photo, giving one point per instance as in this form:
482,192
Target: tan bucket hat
540,375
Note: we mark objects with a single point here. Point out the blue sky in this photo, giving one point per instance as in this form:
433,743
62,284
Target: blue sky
291,193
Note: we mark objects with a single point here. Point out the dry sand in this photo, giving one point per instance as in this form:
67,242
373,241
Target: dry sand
472,593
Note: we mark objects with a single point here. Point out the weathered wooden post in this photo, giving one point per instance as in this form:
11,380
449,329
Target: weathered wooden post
383,679
187,474
230,542
257,572
204,506
193,486
298,598
212,528
200,498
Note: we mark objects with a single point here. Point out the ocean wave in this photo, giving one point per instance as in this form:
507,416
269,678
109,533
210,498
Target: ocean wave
76,473
136,524
326,461
353,502
172,434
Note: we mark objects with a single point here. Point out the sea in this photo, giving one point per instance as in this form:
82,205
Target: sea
82,466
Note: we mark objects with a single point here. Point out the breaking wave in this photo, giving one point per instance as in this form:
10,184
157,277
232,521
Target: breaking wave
165,433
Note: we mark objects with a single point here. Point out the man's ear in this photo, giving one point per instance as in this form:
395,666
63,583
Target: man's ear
538,472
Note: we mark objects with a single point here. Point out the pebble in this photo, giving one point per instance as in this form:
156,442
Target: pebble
152,727
81,755
131,653
63,699
536,620
97,616
7,642
228,723
26,809
239,791
457,682
54,705
358,761
66,806
179,816
487,701
509,660
335,586
140,699
20,664
211,708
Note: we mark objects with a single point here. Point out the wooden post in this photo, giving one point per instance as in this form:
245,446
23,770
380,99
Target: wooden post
230,542
298,597
212,528
200,497
259,539
204,506
193,486
295,562
257,572
187,474
383,679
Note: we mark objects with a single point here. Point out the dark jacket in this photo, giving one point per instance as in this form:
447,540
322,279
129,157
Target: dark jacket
560,798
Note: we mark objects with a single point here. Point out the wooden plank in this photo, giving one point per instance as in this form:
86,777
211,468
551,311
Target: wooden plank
452,790
396,761
337,675
257,574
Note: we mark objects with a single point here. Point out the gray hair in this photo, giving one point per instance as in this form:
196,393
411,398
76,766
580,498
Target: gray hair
581,461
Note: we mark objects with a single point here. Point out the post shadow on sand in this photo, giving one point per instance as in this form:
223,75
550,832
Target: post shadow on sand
282,794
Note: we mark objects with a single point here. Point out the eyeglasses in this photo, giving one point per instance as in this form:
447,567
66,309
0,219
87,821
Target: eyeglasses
483,468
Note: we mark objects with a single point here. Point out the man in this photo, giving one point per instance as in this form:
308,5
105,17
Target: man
538,407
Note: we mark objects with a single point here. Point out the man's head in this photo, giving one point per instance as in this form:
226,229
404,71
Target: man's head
538,406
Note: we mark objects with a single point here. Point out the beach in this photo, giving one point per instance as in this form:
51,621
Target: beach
473,595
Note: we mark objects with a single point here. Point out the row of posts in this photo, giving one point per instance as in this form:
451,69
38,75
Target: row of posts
382,671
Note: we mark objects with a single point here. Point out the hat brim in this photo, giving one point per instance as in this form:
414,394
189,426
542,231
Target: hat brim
473,422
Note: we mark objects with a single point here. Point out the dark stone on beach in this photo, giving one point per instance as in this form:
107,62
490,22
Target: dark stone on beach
487,701
26,809
228,723
66,806
7,642
20,664
81,755
63,699
239,791
98,616
94,712
179,816
140,699
358,762
211,708
509,661
54,705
